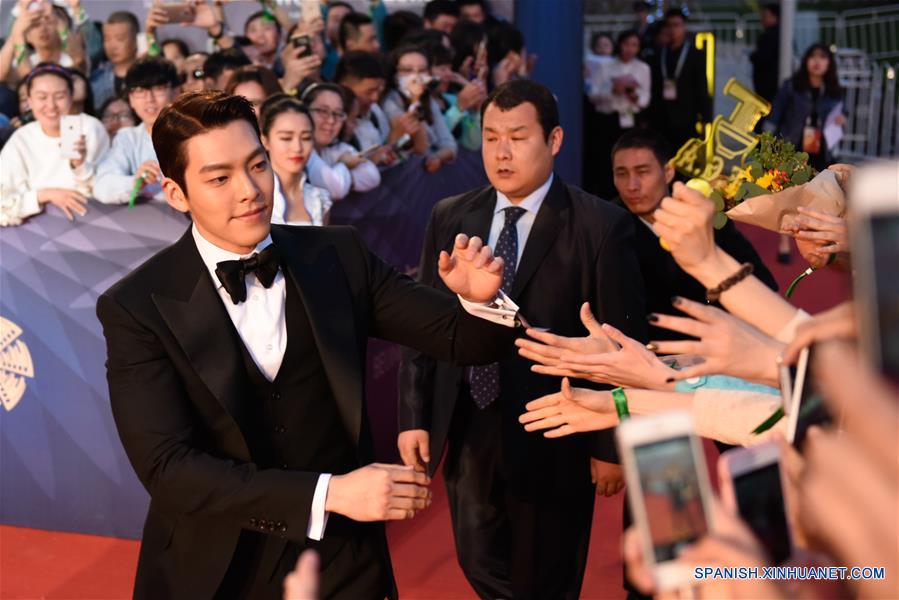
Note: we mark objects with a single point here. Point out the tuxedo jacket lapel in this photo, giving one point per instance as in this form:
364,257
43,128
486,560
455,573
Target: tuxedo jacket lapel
322,284
194,313
547,225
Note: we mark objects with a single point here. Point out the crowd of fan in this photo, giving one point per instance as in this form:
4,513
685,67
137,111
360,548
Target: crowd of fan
340,95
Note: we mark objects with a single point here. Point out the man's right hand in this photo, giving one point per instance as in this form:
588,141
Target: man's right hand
414,448
379,492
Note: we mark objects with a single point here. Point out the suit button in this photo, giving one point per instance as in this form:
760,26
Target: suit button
276,396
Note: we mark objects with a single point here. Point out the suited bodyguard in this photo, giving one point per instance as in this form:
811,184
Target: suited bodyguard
521,505
236,366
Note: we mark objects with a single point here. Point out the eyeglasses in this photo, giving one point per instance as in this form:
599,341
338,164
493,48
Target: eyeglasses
142,93
324,114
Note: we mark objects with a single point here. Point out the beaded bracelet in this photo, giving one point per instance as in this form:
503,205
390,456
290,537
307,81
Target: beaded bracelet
712,294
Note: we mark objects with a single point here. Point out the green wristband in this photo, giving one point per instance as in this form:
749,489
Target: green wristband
621,404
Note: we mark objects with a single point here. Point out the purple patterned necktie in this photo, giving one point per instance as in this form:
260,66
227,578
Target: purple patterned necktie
484,381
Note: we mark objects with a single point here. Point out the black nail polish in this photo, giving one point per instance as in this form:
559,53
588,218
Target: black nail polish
669,380
675,300
652,317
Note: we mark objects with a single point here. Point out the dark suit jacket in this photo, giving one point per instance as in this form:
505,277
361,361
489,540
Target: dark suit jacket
580,249
665,279
676,119
175,374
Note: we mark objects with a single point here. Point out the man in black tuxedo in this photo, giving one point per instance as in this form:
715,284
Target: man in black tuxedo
521,504
642,173
237,383
680,95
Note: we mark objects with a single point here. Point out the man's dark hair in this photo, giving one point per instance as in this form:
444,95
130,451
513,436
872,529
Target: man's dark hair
773,8
644,139
261,14
350,26
481,3
517,92
675,13
193,114
124,16
149,71
398,25
436,8
339,3
229,58
359,65
182,46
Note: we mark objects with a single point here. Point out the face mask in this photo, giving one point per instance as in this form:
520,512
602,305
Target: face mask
404,81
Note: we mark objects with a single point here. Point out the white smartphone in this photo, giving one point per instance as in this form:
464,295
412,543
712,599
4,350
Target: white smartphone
670,494
795,394
756,494
807,405
70,133
874,235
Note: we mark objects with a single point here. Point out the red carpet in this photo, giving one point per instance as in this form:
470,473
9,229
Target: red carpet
43,564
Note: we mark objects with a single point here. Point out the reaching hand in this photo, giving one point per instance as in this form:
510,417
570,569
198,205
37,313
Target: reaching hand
547,351
70,202
156,17
472,95
379,492
150,172
414,447
683,221
472,271
730,346
81,149
573,410
631,365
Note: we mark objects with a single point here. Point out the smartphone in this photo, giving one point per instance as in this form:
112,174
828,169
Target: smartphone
35,5
181,12
807,405
787,377
403,143
757,495
70,133
370,150
874,235
302,41
670,493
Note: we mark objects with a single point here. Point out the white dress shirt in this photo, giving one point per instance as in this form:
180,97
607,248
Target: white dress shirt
131,147
531,204
372,129
364,177
261,324
316,200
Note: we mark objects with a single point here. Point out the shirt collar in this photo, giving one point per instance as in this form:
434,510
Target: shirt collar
212,254
531,202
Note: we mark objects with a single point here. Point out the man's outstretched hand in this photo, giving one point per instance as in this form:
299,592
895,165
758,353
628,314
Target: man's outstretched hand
472,271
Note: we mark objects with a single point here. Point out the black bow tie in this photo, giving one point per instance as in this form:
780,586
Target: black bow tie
232,273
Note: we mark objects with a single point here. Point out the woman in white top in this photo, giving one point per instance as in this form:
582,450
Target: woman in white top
410,73
288,135
619,88
33,170
335,165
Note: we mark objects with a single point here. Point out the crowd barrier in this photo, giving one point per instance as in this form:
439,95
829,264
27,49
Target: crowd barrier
62,466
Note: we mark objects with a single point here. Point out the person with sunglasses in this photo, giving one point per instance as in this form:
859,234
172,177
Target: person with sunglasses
335,165
130,169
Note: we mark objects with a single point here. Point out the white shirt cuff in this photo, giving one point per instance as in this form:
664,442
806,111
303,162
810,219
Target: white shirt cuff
318,517
501,311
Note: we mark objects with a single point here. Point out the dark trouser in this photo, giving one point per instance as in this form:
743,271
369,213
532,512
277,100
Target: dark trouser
509,546
351,568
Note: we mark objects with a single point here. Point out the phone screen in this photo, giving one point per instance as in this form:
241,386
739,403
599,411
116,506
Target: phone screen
760,501
885,241
671,495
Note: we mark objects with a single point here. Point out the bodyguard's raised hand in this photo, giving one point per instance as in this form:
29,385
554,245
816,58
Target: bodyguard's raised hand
471,271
